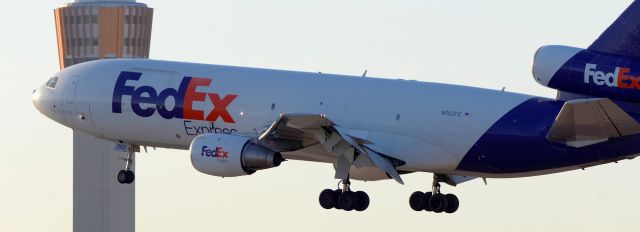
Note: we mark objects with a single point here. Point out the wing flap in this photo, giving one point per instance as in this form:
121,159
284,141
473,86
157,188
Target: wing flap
310,129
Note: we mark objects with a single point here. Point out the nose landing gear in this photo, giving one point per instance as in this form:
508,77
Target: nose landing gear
127,176
435,201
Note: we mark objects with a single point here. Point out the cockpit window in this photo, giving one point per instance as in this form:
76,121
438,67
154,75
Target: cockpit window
51,83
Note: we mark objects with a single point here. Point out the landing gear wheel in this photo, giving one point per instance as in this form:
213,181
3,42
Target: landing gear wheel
122,177
338,193
435,201
125,177
328,199
131,176
348,201
418,201
438,203
363,201
343,198
452,203
427,197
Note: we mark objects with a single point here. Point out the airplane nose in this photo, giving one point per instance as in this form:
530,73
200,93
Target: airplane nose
46,99
36,99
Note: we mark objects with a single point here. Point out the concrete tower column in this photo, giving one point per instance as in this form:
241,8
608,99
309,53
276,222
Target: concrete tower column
100,203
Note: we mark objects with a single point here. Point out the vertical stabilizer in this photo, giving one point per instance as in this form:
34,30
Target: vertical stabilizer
623,36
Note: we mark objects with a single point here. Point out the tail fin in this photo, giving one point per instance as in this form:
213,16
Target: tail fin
623,36
609,68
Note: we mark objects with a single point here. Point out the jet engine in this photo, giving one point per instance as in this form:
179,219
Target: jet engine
228,155
587,72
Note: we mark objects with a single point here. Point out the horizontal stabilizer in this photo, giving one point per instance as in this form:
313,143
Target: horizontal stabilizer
588,121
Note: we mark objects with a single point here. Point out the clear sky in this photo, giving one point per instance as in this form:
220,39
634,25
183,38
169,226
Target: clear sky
487,44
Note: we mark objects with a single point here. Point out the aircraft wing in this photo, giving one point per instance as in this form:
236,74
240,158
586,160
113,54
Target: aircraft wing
296,131
588,121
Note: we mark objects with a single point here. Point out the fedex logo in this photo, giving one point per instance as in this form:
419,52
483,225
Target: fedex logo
619,78
219,152
184,97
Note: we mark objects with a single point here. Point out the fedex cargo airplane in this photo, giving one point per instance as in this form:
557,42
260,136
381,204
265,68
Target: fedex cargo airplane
236,121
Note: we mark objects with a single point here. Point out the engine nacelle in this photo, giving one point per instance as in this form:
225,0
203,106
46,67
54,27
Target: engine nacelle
228,155
586,72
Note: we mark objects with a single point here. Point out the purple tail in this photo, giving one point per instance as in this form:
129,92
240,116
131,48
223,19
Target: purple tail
623,36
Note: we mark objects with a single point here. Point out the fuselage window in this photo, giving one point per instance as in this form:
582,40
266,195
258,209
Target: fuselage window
51,83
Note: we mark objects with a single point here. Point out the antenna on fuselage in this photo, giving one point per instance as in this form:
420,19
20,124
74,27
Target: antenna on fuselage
365,73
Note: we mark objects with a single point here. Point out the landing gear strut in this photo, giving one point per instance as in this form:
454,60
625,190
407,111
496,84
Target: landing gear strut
435,201
127,176
344,198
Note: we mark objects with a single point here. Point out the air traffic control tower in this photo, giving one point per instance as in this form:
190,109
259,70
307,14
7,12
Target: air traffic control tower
101,29
90,30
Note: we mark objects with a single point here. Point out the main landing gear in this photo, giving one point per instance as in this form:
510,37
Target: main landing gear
344,198
127,176
435,201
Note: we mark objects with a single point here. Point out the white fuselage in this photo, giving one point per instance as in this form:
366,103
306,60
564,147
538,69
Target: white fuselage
429,126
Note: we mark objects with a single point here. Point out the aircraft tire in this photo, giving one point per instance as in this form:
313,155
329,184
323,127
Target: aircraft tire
328,199
418,201
348,201
438,203
338,193
363,201
427,198
130,177
122,177
452,203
